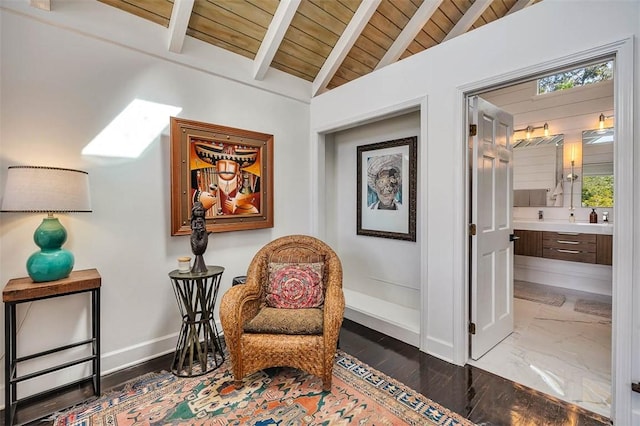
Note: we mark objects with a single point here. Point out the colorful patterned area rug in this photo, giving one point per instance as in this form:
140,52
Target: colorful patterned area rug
360,395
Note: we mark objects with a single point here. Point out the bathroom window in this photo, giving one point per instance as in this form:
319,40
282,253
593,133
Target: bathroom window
575,78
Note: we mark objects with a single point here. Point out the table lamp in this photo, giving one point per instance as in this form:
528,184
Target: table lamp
35,189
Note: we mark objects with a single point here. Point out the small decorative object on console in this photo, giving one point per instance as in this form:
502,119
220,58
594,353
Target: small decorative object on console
184,264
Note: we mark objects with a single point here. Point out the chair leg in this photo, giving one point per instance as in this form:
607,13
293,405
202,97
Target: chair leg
326,382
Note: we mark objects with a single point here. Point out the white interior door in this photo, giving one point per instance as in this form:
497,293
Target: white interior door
491,295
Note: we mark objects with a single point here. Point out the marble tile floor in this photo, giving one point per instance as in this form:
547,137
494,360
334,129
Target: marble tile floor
558,351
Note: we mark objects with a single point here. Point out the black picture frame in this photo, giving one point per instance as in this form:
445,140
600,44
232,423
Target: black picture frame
387,189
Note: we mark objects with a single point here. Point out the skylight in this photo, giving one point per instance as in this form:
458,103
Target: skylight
574,78
132,131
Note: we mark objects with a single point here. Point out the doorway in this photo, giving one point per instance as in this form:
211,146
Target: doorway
529,349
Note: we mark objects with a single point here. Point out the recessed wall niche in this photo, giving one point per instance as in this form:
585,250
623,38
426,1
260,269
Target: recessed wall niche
380,274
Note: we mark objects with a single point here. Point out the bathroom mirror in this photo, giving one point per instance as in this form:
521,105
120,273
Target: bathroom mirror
597,168
537,172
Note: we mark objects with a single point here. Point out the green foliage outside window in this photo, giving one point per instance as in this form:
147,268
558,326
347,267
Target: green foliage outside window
574,78
597,191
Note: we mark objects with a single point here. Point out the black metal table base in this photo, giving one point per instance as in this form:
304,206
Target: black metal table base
199,348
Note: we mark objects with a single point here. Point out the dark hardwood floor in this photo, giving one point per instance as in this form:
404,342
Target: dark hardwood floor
482,397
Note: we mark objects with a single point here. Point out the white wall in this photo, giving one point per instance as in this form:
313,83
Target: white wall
537,35
59,88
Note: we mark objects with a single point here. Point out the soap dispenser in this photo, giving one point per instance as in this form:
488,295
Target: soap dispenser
593,216
572,218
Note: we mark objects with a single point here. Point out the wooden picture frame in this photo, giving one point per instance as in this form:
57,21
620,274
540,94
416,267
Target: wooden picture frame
386,189
229,170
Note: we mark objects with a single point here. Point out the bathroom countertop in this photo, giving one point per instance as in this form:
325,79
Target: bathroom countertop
563,226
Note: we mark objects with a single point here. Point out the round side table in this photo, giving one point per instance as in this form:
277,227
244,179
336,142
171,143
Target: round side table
199,348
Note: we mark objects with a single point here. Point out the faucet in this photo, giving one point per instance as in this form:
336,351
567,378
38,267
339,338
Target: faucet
540,215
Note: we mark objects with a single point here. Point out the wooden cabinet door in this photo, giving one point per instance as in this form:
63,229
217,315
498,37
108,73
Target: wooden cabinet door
529,243
604,249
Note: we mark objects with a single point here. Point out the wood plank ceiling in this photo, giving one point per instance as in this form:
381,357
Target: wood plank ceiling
326,42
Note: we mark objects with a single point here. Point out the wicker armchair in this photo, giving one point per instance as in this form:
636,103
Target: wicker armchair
254,351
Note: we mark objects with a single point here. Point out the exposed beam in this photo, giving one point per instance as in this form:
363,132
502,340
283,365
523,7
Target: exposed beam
272,39
467,20
346,41
520,4
180,15
409,32
41,4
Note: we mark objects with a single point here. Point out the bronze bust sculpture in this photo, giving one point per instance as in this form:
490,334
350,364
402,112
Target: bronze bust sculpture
199,236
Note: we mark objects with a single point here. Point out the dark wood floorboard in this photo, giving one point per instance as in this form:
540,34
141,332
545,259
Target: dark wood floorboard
480,396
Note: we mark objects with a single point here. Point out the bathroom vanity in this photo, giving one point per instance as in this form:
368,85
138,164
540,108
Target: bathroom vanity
563,254
573,242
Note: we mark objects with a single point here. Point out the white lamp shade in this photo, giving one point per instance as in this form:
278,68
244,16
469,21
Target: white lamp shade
46,189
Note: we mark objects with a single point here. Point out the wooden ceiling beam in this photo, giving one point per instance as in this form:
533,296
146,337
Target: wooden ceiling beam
462,26
409,32
180,15
520,4
345,43
273,38
41,4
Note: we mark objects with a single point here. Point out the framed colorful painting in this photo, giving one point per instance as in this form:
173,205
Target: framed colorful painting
386,189
230,171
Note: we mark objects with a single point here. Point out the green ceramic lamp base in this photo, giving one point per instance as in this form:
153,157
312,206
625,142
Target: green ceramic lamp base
52,262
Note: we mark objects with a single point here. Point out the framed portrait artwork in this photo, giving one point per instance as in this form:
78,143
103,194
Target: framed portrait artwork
230,171
386,189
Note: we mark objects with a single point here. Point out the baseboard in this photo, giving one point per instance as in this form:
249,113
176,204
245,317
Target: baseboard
397,321
138,353
441,349
110,362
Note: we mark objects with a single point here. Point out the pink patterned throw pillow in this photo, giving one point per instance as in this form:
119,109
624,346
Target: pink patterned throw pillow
295,285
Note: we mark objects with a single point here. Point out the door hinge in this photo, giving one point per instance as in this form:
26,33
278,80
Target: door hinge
472,328
472,229
473,129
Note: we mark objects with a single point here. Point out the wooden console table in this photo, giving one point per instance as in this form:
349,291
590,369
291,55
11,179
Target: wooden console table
22,290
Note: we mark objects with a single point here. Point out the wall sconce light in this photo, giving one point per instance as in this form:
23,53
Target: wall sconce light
602,119
572,177
530,129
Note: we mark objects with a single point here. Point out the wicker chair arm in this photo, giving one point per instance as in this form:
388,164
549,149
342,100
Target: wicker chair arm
238,305
333,314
